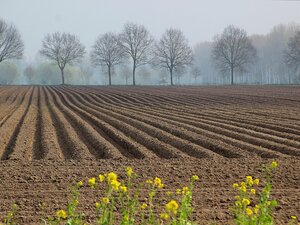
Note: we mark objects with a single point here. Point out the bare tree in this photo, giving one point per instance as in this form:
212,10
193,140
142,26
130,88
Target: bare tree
292,53
233,50
173,52
107,51
63,49
137,43
196,72
11,45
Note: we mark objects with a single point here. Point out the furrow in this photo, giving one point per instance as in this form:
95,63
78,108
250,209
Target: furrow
50,148
97,145
125,145
16,126
163,123
68,140
153,144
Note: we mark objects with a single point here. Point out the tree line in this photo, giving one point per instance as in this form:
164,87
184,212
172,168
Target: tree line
232,51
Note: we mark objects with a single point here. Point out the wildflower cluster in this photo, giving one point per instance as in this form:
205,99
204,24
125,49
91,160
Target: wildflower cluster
179,210
125,195
245,210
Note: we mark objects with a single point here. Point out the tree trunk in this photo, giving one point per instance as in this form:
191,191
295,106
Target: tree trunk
62,76
109,76
171,76
231,75
133,73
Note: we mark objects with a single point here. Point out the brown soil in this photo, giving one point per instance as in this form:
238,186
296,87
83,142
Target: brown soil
53,136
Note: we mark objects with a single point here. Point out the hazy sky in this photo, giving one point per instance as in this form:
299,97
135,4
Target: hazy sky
200,20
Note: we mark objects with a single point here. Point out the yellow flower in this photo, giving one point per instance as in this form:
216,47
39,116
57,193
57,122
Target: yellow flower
195,178
294,217
111,177
101,178
246,201
61,214
243,188
253,191
157,181
129,171
164,216
123,188
249,178
185,190
274,164
235,185
80,183
105,200
144,206
249,211
178,191
172,206
92,182
256,181
115,185
98,205
160,186
243,184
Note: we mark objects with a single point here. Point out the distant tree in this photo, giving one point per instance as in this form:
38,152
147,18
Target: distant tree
232,51
173,52
163,76
62,48
107,52
8,73
126,73
195,72
292,53
86,74
136,43
29,73
11,45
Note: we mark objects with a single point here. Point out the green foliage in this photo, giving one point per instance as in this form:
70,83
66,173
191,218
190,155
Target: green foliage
244,211
8,73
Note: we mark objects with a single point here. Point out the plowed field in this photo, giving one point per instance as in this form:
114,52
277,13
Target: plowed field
51,136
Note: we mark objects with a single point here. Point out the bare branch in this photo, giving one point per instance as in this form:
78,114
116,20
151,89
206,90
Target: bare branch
107,51
11,45
173,52
63,49
292,53
136,42
233,50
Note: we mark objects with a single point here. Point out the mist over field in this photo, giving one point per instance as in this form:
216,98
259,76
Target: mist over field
268,24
